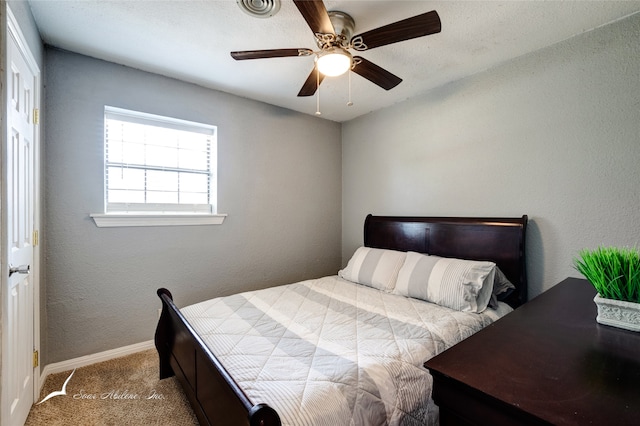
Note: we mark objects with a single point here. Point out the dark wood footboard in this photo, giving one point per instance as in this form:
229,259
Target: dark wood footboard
215,397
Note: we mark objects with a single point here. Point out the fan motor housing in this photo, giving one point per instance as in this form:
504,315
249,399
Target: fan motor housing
343,25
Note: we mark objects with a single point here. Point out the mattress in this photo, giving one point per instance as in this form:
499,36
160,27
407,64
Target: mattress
332,352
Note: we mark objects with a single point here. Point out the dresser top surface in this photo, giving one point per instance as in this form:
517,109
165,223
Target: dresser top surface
551,359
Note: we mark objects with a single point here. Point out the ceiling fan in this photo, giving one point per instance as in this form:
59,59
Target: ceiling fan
334,36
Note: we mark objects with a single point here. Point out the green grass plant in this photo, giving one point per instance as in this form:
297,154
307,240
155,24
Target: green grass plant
613,271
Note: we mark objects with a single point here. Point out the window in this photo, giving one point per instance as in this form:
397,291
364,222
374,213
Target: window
158,165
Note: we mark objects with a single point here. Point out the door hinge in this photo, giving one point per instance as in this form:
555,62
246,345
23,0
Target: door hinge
36,116
35,359
35,238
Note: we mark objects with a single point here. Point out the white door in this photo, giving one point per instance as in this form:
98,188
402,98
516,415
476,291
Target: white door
18,209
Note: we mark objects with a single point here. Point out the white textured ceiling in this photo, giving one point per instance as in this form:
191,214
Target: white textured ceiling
191,40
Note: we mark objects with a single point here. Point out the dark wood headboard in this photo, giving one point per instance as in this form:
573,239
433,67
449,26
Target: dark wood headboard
499,240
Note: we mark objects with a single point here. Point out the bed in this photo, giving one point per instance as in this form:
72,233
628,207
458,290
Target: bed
269,358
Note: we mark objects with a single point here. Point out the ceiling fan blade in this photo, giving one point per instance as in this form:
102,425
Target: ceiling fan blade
311,84
417,26
375,74
269,53
315,13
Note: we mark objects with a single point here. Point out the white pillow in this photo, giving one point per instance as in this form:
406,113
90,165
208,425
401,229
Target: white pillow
463,285
375,268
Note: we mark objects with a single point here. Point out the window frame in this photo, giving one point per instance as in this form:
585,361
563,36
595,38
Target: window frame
160,214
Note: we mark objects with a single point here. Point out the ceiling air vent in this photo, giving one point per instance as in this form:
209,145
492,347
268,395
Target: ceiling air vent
259,8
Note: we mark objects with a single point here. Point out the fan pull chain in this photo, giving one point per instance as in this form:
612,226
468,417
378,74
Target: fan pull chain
318,92
349,103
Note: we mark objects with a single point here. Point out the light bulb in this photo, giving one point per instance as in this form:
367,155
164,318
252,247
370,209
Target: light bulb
334,61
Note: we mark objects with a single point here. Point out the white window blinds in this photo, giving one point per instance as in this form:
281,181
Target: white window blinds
158,164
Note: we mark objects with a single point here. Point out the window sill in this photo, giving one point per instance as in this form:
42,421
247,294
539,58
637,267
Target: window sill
112,220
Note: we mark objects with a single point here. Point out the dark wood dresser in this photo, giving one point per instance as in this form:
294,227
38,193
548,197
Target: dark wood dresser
548,362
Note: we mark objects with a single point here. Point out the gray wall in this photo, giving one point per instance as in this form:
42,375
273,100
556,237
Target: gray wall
554,135
279,182
22,13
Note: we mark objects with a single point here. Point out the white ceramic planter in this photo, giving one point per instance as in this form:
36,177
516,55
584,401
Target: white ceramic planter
618,313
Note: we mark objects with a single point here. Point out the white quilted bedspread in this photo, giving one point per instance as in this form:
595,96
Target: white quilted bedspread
331,352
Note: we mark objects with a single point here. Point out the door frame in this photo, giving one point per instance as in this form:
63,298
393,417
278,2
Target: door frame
11,29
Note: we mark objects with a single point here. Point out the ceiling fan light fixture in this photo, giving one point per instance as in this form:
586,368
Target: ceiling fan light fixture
334,61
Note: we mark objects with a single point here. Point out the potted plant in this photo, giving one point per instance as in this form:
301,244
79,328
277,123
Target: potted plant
615,274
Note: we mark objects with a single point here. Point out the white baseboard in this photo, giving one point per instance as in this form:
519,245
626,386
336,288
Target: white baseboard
59,367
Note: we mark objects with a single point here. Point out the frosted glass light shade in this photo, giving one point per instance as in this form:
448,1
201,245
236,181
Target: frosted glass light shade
333,62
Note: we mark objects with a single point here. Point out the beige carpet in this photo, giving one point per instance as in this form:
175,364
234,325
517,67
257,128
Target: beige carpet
122,391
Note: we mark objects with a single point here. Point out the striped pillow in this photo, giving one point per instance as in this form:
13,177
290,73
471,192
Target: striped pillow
375,268
463,285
